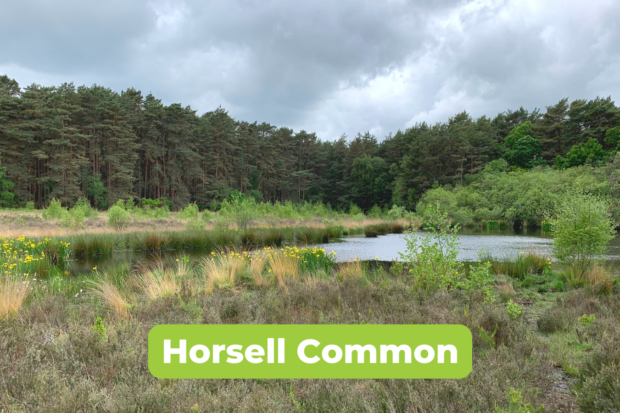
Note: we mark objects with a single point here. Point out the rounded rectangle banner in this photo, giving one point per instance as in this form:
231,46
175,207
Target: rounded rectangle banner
302,351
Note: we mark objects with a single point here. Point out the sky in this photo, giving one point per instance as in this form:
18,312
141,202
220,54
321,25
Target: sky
324,66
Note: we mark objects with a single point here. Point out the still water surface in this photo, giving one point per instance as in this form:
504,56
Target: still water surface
499,244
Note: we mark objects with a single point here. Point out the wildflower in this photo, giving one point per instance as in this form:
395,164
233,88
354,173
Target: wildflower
95,268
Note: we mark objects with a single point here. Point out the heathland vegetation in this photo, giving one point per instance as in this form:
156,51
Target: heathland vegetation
545,333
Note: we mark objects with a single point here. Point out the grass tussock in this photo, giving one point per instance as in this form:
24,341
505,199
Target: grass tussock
157,281
13,294
111,296
283,266
526,263
257,270
221,270
596,278
350,270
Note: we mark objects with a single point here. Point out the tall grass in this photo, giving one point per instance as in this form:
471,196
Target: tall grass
526,263
257,268
221,270
13,293
111,296
283,266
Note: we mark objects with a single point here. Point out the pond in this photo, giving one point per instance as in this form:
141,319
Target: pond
499,244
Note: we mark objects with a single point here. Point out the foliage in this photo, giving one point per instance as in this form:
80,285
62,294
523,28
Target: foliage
522,150
588,153
26,256
516,404
582,229
478,278
118,217
100,330
432,258
585,320
55,210
7,197
190,211
513,310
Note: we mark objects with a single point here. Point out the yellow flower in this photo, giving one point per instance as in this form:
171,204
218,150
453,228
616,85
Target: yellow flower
376,258
95,268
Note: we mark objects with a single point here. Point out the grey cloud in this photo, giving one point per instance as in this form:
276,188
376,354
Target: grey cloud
327,66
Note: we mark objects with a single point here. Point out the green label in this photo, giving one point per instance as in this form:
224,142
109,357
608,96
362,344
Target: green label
406,351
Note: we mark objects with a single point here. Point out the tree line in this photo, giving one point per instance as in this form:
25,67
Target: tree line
66,142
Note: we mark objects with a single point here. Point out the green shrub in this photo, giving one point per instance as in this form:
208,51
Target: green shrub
83,204
478,278
375,212
100,330
190,211
582,229
513,310
118,218
396,212
432,258
355,210
194,224
55,210
74,219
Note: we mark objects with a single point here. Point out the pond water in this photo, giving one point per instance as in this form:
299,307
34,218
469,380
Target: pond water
499,244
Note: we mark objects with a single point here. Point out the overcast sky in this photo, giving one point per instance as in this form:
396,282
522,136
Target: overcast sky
326,66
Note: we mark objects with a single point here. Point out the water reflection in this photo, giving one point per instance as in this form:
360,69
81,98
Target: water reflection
500,244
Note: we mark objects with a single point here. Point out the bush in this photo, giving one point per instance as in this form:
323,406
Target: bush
582,229
375,212
118,218
84,205
194,224
74,219
396,212
432,258
551,321
55,210
190,211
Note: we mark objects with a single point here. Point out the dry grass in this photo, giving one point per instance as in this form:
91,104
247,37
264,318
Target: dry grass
221,270
157,281
283,266
350,270
13,293
257,266
506,291
599,279
111,296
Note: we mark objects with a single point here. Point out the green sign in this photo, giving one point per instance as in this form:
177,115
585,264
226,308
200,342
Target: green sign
301,351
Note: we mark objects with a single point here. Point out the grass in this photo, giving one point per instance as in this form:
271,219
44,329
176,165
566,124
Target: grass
51,359
111,296
13,293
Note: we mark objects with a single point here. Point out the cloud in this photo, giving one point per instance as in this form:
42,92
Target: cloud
330,67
